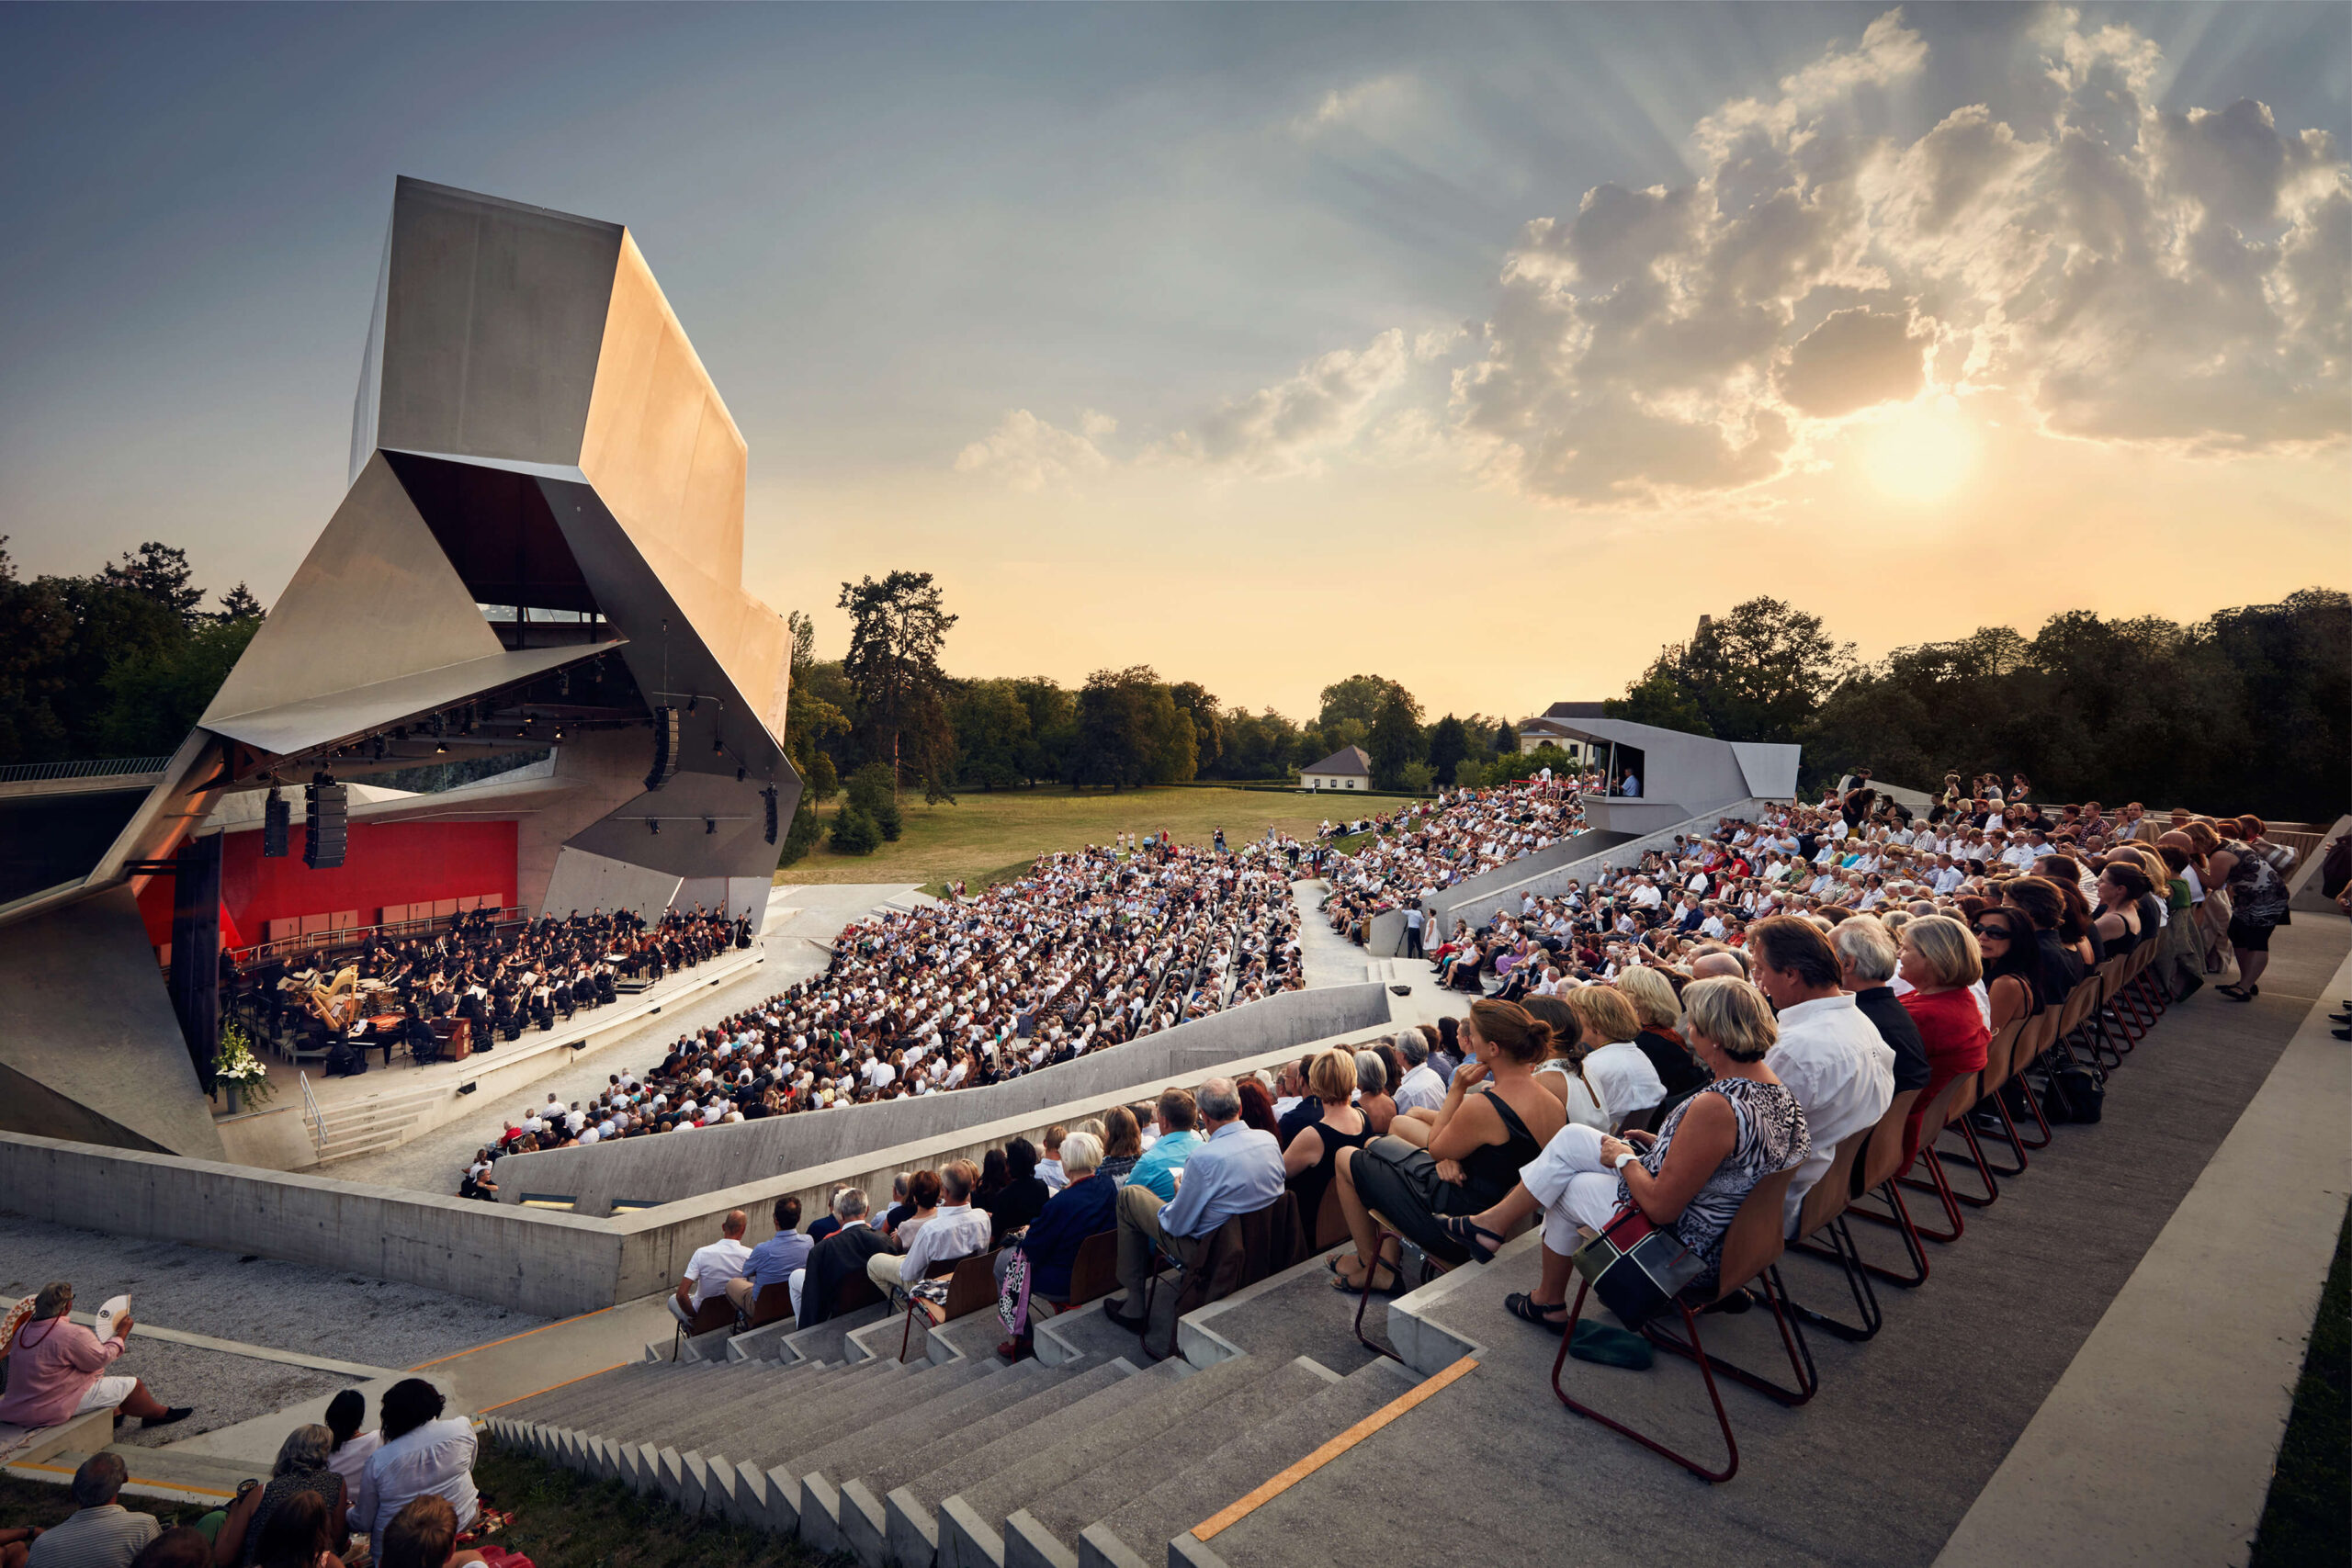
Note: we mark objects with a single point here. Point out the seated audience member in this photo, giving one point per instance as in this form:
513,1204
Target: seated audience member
100,1532
299,1534
773,1261
424,1452
425,1535
1372,1084
922,1202
1049,1168
2012,967
2121,885
1236,1170
1179,1120
57,1369
1122,1143
711,1267
1257,1108
1617,1068
1422,1088
1660,1013
349,1454
1562,1070
1940,961
1308,1161
301,1471
1496,1119
841,1255
829,1222
1087,1207
1294,1107
1867,955
1743,1126
953,1230
902,1207
1828,1056
1023,1195
182,1546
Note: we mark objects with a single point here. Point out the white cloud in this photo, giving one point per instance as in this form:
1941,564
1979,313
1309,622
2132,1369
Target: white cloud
1029,454
1358,106
2134,274
1289,427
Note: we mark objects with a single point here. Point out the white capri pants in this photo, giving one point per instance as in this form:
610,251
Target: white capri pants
1575,1185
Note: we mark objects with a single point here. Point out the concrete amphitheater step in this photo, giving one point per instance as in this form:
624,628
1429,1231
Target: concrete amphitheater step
583,1400
971,1521
749,1396
793,1428
675,1386
646,1414
898,1454
1045,1532
540,1406
1135,1533
929,1399
911,1509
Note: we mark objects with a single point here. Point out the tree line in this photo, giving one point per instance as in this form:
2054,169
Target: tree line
2245,710
118,663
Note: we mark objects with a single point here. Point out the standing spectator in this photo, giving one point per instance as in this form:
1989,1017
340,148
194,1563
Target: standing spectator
100,1533
2257,903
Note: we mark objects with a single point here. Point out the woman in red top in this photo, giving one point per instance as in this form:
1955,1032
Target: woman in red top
1942,962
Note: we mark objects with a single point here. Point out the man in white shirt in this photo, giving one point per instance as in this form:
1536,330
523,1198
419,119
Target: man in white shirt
1830,1055
1421,1088
1947,876
711,1267
954,1230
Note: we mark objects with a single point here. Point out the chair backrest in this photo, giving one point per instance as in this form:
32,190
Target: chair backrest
1830,1195
1095,1272
773,1302
2000,1051
856,1291
715,1313
1946,1105
972,1285
1753,1242
1883,1160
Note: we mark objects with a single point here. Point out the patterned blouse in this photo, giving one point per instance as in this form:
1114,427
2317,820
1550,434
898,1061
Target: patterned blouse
1772,1137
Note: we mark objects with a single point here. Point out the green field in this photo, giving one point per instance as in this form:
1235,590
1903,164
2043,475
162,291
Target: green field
987,836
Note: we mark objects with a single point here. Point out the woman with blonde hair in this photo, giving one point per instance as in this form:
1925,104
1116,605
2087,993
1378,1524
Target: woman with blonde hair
1943,964
1613,1063
1659,1011
1331,1078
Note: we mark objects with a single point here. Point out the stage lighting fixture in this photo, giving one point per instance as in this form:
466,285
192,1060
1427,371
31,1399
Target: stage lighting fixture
325,822
440,751
275,825
653,826
768,795
377,747
742,773
710,824
665,747
717,747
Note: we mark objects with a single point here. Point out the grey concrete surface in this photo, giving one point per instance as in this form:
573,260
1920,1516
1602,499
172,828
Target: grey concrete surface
1907,1431
2160,1440
224,1389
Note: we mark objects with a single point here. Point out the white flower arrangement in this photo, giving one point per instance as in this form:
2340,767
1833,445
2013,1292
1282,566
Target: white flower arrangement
233,1062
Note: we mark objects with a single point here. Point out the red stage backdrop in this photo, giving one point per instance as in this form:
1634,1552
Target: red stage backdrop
386,863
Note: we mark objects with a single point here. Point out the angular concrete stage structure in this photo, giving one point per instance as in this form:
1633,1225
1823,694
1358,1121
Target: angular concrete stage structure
541,546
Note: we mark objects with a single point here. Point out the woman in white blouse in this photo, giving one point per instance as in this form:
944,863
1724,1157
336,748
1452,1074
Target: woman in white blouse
422,1453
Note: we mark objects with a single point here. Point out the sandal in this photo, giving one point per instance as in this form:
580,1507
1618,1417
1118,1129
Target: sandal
1527,1309
1340,1281
1465,1233
2238,996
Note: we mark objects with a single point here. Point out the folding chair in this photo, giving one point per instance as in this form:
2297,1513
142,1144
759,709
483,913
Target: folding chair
1824,1214
1751,1252
971,1285
1882,1161
773,1302
713,1314
1984,1092
1932,1127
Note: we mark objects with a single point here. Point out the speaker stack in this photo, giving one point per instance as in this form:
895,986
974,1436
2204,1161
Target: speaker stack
276,818
665,747
326,821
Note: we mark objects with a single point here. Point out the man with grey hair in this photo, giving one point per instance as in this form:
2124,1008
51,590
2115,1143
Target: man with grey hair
1238,1170
1422,1089
1866,959
101,1533
841,1255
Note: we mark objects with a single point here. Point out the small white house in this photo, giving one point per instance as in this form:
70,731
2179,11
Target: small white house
1348,768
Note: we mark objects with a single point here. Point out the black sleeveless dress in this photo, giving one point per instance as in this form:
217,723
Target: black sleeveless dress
1310,1185
1401,1183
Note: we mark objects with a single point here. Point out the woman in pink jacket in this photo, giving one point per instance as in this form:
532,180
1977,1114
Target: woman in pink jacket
57,1369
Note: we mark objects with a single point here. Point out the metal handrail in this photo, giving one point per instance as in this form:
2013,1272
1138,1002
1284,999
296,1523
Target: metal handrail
100,767
312,1114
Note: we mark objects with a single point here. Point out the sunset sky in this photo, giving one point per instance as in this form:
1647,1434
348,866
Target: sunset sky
1480,348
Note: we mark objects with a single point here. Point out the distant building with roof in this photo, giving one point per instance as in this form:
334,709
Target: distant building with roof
1350,767
1555,726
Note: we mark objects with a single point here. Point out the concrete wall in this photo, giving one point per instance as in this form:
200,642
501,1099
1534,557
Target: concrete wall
678,1166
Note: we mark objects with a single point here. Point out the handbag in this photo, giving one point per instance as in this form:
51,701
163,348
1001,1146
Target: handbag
1012,1295
2077,1094
1635,1268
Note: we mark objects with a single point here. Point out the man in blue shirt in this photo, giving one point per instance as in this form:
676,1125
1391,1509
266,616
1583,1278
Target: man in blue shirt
1157,1167
773,1261
1238,1170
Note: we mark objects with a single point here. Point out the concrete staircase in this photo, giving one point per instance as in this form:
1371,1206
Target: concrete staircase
379,1121
1084,1457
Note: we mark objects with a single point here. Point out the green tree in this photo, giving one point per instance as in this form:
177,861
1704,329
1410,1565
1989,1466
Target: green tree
1470,774
155,696
898,627
992,732
1448,745
855,832
1358,697
1395,738
871,796
1120,734
1658,698
1506,740
1208,730
1416,777
1759,673
160,573
239,604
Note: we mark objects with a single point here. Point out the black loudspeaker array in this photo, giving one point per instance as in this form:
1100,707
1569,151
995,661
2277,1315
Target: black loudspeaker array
324,808
275,816
665,747
768,795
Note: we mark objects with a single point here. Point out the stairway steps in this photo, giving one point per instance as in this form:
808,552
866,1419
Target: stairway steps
923,1397
959,1461
970,1522
1046,1529
939,1409
591,1409
745,1397
538,1406
1139,1528
998,1405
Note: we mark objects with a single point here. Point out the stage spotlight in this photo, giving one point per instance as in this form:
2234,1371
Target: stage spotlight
742,774
717,747
653,826
665,747
710,825
440,751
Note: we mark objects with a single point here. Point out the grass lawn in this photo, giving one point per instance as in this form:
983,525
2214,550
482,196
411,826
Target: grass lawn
563,1519
2311,1492
987,837
29,1505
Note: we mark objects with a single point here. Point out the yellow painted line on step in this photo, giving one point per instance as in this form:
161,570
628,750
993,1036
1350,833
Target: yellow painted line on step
560,1323
1235,1513
567,1383
134,1481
